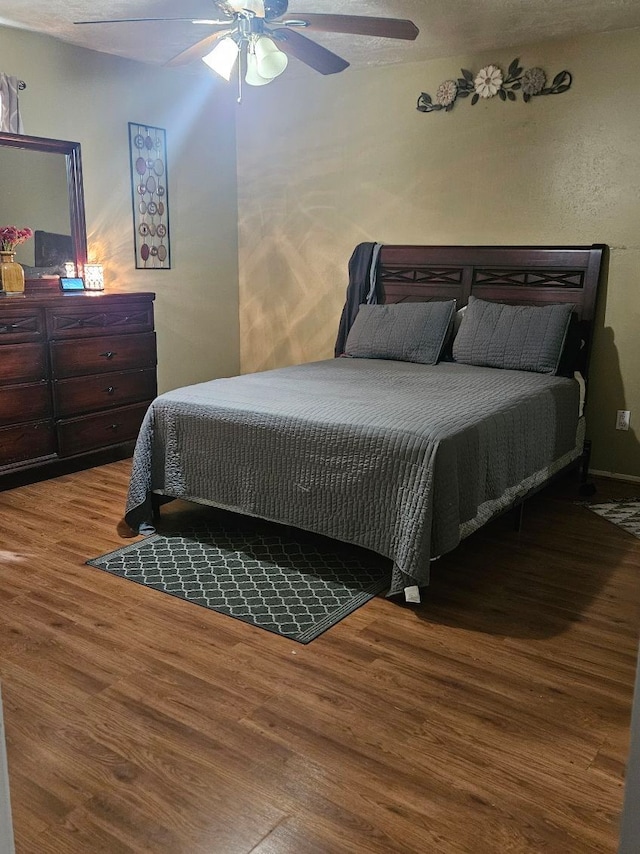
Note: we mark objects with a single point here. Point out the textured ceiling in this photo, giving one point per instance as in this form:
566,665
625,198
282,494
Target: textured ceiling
447,27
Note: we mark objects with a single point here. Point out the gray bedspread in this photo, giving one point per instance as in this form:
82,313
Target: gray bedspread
392,456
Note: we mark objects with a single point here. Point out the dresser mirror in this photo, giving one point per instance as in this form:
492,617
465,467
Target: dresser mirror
42,190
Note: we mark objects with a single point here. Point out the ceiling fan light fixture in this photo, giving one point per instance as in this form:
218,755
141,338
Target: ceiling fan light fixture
253,77
270,60
244,27
223,57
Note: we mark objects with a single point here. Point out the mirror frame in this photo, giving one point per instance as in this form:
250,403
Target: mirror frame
71,151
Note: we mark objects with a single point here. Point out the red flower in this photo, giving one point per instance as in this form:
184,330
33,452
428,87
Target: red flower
10,237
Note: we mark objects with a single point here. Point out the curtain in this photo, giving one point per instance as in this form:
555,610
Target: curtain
10,121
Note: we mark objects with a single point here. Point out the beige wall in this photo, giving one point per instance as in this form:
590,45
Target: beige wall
326,162
89,97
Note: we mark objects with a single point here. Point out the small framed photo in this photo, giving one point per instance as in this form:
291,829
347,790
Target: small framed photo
71,284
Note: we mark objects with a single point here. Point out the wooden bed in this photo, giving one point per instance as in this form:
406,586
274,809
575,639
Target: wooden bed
404,459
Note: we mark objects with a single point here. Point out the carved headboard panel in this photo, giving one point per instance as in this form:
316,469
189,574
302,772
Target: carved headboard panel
526,275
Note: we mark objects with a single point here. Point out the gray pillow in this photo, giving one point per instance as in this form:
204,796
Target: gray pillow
516,337
406,332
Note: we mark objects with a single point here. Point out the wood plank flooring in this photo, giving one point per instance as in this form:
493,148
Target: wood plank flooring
492,718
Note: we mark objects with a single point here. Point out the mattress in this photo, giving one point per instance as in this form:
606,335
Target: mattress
397,457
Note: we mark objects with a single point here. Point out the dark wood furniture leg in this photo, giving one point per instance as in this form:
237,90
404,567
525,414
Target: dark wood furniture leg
587,487
156,503
518,515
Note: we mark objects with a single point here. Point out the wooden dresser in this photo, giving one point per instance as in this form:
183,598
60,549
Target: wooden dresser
77,373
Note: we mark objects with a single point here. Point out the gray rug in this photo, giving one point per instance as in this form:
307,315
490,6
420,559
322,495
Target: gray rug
286,581
625,513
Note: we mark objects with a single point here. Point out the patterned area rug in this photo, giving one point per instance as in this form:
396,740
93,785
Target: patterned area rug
289,582
625,514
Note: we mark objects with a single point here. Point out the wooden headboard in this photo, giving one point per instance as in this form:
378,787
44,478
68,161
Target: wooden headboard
527,275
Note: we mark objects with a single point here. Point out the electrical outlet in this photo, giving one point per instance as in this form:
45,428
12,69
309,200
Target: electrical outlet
622,419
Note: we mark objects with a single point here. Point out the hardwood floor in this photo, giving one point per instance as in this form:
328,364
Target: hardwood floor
492,718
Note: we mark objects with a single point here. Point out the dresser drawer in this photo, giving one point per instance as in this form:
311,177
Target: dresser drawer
91,432
20,326
28,402
86,321
22,363
105,354
85,394
26,442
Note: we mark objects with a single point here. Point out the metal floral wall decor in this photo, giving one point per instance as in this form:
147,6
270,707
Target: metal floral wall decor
491,81
149,190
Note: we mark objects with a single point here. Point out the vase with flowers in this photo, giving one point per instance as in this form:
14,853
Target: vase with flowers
11,273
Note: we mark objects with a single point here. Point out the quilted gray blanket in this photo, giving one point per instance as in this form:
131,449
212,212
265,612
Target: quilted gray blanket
392,456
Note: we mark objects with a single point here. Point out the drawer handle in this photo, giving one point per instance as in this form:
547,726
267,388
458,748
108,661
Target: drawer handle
109,354
113,427
8,327
109,390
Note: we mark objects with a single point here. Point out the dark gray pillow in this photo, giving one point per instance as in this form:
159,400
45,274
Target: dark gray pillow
516,337
406,332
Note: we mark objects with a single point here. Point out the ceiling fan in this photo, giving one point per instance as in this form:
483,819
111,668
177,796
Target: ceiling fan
269,37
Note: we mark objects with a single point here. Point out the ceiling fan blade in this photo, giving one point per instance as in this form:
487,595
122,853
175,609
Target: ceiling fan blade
191,20
359,25
309,52
197,50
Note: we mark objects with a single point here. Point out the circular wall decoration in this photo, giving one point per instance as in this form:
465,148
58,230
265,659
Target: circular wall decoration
148,163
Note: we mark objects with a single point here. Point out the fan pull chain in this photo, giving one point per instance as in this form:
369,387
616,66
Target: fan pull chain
239,98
